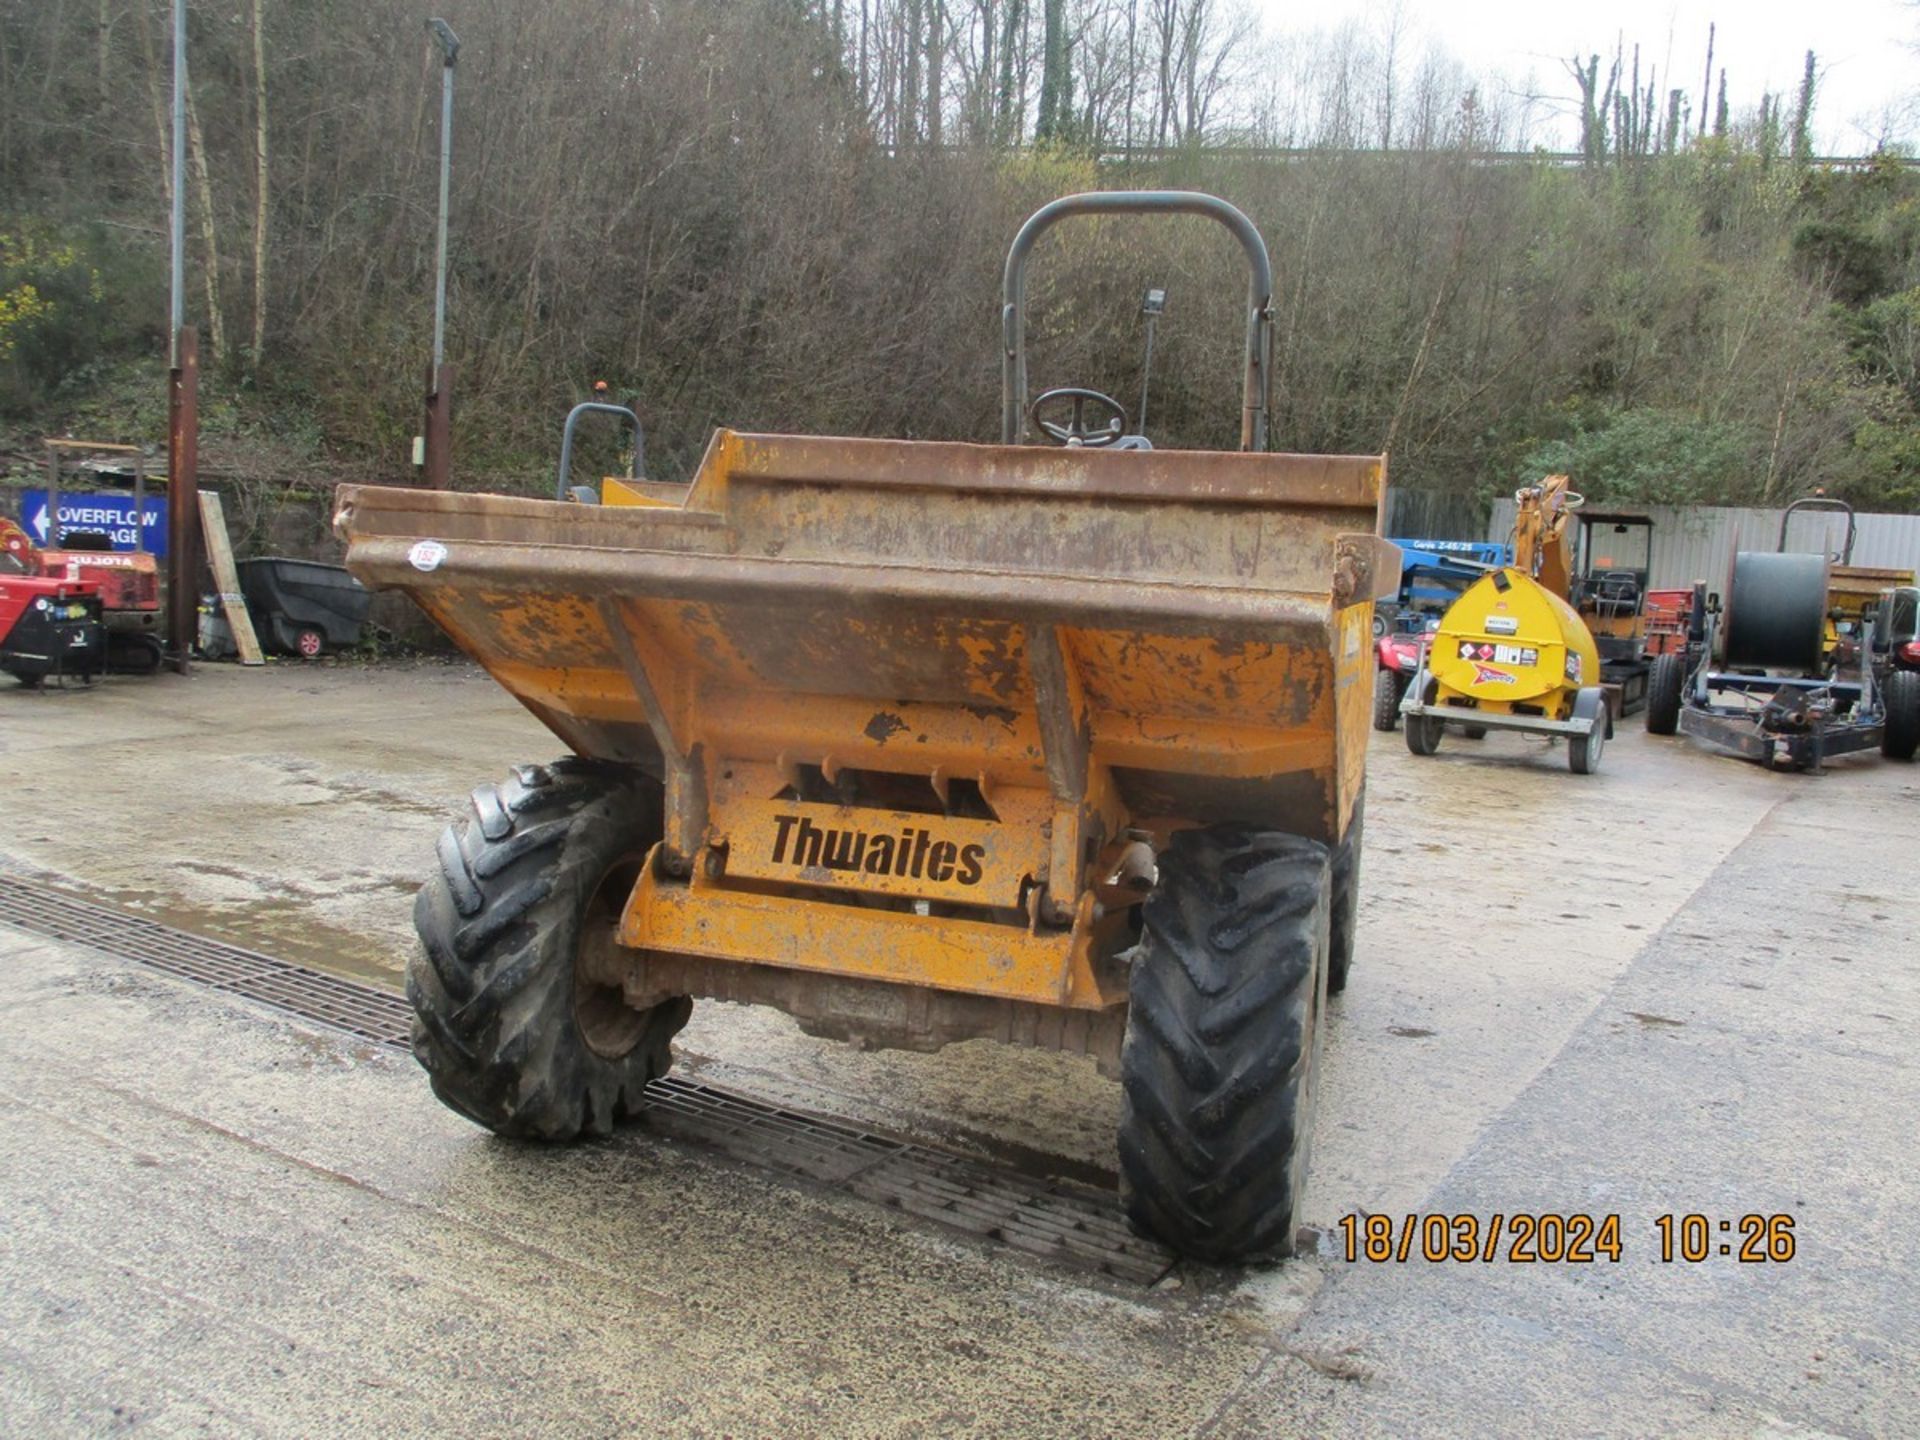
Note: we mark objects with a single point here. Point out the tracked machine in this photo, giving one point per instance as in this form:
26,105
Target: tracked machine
1059,745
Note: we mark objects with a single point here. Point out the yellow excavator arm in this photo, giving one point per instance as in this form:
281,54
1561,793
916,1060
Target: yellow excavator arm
1541,547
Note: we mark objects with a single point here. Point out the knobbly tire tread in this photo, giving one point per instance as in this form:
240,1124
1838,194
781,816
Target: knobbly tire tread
1900,736
1665,682
1344,916
1217,1067
492,985
1386,701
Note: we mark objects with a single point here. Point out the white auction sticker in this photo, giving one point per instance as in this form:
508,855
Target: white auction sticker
427,555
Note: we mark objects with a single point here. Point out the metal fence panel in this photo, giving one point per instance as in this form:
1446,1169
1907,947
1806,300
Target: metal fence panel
1697,542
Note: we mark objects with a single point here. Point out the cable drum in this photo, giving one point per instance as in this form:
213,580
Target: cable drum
1776,613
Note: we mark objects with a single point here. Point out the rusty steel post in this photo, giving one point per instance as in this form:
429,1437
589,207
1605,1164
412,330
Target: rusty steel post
52,542
183,498
439,431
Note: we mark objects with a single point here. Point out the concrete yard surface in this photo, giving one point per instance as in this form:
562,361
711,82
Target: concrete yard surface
1682,986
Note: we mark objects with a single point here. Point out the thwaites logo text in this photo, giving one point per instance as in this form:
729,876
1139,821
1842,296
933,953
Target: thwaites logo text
913,854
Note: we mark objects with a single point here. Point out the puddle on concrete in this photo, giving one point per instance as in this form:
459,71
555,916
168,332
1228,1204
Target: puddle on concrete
283,929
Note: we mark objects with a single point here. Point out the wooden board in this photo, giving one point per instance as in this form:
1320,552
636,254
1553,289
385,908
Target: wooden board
213,522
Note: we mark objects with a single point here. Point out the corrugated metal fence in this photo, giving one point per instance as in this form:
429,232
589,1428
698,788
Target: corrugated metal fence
1434,516
1696,542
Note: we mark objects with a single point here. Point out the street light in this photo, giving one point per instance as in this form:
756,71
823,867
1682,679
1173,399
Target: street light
449,48
435,444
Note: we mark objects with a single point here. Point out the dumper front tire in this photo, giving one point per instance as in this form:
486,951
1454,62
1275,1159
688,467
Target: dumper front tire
1344,917
509,1036
1227,995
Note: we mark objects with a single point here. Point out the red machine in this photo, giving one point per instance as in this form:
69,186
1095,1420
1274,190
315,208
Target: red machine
49,626
1398,657
128,582
1667,613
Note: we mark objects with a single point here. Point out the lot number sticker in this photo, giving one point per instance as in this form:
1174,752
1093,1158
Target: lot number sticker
427,555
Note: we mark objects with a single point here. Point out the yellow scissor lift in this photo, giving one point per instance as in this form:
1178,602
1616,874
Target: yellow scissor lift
921,742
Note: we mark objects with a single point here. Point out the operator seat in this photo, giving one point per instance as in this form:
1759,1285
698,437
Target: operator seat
1616,594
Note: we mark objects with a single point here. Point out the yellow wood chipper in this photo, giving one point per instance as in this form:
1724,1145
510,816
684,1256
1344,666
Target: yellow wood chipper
1511,653
922,742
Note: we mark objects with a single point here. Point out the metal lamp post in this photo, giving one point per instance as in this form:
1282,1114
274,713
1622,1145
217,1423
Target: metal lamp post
439,430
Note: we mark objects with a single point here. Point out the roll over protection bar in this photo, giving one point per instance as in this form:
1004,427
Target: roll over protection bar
1013,314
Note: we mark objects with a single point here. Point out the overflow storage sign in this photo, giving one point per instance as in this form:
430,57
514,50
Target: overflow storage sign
109,513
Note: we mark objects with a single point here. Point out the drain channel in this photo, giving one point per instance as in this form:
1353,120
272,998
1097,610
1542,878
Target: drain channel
363,1010
1055,1219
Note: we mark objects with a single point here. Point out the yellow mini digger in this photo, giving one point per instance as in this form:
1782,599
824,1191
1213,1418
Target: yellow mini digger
1060,745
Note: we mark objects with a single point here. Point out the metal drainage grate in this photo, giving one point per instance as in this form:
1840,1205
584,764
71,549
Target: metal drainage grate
1052,1218
1055,1219
362,1010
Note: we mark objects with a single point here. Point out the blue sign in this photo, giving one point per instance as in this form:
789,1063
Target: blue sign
1485,552
108,513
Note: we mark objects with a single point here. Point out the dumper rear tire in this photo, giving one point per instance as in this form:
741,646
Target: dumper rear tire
509,1035
1227,995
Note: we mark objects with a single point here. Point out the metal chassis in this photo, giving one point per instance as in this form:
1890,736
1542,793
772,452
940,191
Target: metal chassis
1743,730
1577,725
1625,682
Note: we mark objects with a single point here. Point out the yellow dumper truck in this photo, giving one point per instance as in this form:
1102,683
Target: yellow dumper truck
1055,744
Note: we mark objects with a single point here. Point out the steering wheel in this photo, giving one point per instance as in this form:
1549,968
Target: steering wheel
1076,432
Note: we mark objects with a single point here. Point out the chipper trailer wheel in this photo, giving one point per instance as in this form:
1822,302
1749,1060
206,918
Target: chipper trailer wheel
1665,683
1424,731
1900,736
1217,1071
509,1034
1583,751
